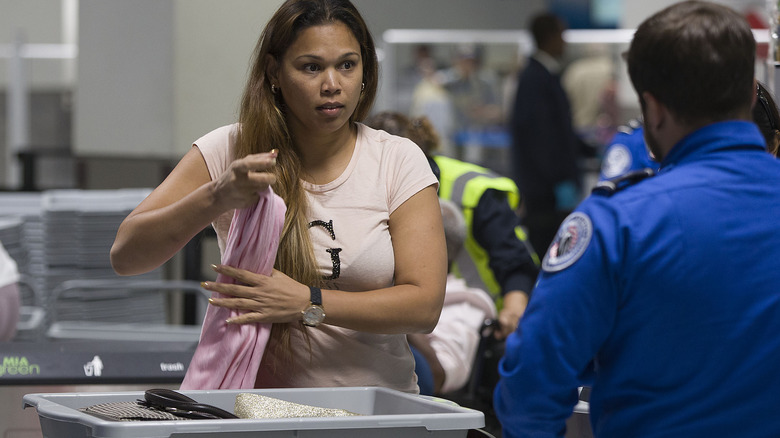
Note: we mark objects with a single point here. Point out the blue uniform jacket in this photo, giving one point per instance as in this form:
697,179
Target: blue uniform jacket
626,152
665,298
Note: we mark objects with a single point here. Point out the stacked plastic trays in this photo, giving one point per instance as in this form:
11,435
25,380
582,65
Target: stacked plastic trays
79,227
61,235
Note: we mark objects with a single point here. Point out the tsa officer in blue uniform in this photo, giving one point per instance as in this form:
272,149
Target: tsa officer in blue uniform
663,294
626,153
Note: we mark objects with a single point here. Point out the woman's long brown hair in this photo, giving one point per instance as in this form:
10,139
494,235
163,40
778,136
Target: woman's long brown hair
263,125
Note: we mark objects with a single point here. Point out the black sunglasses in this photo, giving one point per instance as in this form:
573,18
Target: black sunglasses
181,405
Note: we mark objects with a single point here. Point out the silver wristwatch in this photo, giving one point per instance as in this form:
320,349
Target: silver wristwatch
314,314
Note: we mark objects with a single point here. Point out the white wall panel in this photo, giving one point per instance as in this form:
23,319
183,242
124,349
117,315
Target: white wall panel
124,97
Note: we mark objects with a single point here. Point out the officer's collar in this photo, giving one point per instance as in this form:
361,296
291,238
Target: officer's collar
713,137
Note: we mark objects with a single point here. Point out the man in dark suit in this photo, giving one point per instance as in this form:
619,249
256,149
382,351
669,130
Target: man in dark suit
545,148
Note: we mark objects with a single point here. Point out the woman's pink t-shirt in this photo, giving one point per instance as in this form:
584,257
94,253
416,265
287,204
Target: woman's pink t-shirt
349,230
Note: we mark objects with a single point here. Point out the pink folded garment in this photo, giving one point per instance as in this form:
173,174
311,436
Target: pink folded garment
228,355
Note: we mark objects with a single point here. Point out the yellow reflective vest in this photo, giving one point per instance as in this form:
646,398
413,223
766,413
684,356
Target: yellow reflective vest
464,184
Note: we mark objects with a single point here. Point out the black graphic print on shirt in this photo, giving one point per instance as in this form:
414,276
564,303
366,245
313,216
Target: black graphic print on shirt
334,252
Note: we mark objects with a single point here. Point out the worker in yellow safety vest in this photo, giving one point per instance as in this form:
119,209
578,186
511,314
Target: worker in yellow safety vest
498,257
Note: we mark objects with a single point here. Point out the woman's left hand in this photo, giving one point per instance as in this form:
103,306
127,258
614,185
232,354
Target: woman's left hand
266,299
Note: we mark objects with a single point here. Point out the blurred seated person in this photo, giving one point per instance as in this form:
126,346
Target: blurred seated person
448,352
498,257
9,296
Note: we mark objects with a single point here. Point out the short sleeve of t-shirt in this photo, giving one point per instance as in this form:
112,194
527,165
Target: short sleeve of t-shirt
217,148
409,171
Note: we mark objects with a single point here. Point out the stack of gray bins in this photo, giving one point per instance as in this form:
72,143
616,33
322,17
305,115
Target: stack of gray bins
58,236
79,227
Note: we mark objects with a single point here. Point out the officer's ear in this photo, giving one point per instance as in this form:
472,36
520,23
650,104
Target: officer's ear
655,113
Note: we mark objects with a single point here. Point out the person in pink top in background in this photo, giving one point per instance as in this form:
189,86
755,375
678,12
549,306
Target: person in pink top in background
361,260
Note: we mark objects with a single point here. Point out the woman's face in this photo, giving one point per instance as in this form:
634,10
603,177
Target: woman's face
320,78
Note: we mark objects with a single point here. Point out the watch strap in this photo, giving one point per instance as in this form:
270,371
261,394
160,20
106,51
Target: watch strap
316,295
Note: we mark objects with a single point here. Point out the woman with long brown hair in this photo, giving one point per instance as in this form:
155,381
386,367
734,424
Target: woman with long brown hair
362,227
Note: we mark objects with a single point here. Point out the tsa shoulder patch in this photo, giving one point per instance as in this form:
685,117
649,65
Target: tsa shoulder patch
570,243
617,161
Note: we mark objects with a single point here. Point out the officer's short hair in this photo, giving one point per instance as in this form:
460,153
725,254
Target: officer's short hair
697,58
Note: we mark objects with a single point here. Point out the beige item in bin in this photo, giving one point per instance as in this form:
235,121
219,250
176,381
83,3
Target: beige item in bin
258,406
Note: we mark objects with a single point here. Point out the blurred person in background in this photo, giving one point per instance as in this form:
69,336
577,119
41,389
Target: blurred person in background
10,301
447,354
497,256
546,151
628,152
474,90
591,84
430,99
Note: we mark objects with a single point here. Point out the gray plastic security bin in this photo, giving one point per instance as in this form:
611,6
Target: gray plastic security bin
383,413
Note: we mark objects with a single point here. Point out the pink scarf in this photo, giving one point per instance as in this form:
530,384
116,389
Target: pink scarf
228,355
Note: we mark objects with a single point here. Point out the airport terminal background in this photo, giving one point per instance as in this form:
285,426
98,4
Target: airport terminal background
107,95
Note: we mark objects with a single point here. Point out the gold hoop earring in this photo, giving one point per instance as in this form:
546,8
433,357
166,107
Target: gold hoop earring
273,89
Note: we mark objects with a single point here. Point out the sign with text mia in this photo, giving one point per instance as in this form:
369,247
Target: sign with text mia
18,366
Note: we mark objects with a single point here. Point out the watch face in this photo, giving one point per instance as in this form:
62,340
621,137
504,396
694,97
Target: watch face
313,315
